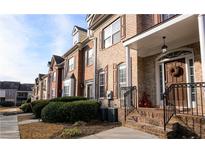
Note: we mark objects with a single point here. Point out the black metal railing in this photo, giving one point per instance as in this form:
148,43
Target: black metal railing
129,101
184,98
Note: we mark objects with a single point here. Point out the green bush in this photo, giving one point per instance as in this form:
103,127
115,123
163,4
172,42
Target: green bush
39,105
28,100
51,112
84,110
26,107
68,99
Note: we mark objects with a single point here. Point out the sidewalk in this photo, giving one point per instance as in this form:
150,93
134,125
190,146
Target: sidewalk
121,133
9,127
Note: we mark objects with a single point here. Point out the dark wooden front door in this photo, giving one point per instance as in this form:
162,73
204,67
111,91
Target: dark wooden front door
175,72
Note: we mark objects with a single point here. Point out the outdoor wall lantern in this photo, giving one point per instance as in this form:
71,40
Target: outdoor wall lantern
164,47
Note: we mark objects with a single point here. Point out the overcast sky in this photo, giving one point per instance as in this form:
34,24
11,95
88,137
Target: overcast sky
27,43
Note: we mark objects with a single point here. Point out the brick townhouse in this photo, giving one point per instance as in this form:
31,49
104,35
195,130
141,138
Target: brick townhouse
78,72
150,60
55,76
149,66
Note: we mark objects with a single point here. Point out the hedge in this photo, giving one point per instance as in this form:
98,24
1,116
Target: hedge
68,99
39,105
25,107
51,112
84,110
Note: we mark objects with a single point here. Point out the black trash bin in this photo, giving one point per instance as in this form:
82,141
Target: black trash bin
112,114
104,114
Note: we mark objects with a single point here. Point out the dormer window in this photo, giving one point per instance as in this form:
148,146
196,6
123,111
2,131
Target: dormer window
75,38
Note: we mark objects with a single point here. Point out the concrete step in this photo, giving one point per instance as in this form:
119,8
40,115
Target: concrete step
147,115
148,128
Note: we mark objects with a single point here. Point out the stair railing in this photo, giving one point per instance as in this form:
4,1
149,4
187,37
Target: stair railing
184,98
129,100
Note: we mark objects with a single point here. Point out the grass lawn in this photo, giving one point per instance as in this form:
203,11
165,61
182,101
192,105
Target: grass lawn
25,117
9,109
42,130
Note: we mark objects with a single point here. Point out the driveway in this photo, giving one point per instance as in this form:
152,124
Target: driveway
121,133
9,127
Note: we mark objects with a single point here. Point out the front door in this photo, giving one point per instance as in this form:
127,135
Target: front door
175,73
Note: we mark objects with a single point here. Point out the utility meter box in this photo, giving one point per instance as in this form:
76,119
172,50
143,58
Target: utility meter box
109,95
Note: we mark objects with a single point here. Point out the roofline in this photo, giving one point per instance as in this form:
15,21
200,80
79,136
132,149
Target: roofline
154,28
72,49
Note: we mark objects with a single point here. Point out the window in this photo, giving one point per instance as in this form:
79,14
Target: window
167,16
90,57
112,34
161,68
53,93
75,38
101,84
53,76
71,64
121,77
191,75
66,90
90,90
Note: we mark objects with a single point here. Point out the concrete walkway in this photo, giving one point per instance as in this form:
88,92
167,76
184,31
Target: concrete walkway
121,133
9,127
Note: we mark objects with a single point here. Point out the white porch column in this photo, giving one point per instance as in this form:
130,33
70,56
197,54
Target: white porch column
128,66
201,23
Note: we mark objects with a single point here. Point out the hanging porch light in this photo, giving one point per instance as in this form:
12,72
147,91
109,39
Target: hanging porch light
164,47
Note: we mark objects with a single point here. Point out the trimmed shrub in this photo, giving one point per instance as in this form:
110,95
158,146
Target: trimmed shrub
68,99
70,112
80,111
39,105
7,104
51,112
26,107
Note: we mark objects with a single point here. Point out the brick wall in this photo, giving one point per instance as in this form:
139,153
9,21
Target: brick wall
115,54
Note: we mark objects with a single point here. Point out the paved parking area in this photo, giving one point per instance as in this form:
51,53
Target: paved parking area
9,127
121,133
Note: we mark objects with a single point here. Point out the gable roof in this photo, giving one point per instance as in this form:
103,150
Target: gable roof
58,59
79,28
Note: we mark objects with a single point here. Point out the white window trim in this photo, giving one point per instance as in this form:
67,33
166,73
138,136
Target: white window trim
121,66
71,68
92,57
101,85
86,90
111,35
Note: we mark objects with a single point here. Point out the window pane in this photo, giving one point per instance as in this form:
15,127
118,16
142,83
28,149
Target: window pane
108,42
71,64
101,85
116,26
107,32
102,91
90,57
116,37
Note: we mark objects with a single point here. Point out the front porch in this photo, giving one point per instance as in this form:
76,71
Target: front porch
171,80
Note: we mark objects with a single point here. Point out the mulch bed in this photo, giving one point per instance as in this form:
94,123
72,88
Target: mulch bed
42,130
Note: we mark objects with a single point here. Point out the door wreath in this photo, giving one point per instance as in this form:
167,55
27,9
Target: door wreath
176,71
